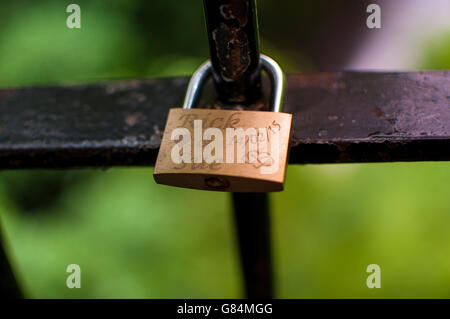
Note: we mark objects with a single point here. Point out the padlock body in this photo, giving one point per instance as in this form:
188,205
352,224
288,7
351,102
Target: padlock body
224,150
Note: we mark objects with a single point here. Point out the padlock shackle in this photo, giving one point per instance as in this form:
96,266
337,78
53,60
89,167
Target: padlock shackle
278,79
196,84
269,65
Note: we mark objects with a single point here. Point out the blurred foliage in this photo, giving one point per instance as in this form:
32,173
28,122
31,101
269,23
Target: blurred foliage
135,239
438,53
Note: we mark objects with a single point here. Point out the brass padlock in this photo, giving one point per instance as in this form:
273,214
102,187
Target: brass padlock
226,150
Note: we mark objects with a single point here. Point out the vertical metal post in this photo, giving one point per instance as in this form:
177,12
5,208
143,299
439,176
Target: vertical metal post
234,49
252,219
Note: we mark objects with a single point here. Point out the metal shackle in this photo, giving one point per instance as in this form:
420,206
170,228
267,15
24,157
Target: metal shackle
272,68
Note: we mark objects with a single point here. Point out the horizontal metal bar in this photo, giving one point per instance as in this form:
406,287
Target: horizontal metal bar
338,117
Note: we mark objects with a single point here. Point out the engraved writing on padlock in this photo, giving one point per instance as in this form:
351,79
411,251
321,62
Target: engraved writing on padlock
226,150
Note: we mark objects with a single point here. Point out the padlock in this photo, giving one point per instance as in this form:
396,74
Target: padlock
226,150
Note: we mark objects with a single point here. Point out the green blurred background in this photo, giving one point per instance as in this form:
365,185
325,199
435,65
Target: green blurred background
135,239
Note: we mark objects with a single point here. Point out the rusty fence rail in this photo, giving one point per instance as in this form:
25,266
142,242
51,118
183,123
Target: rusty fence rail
338,118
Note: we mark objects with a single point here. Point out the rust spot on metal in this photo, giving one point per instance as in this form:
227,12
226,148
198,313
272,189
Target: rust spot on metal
232,51
232,44
133,119
378,112
237,9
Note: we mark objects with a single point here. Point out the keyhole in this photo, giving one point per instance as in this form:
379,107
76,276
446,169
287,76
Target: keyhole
217,182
